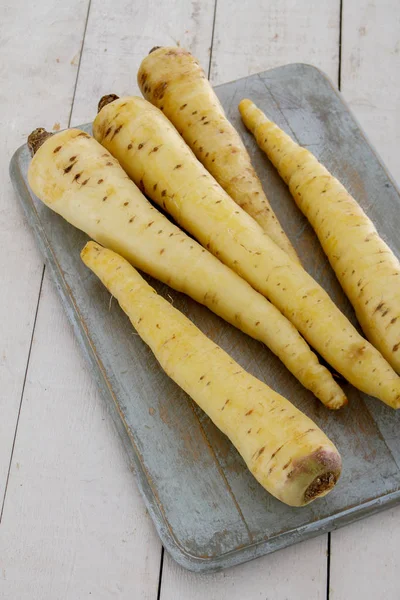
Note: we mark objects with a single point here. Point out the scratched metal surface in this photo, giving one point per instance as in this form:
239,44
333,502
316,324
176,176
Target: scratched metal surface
209,511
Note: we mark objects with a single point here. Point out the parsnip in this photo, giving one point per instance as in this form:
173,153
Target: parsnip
80,180
157,159
366,267
173,80
284,450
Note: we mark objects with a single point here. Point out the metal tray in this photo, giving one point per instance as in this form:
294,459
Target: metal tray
208,510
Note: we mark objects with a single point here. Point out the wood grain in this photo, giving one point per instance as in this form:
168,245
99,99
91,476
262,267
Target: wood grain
297,573
120,34
74,524
39,89
365,560
254,36
369,74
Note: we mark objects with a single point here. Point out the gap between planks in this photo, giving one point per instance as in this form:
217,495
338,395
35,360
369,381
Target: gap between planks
339,83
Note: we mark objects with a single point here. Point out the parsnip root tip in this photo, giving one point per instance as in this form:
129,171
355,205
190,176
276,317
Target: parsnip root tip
36,139
244,104
107,99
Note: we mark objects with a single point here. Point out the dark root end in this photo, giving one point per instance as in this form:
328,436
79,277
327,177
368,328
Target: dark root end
321,485
37,138
155,48
107,99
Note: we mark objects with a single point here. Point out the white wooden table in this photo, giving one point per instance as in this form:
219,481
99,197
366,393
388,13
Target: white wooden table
73,525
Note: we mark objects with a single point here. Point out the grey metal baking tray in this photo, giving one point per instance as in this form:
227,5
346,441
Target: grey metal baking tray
208,510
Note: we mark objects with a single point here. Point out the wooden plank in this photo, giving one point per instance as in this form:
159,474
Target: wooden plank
369,73
365,559
40,71
74,522
364,556
254,36
296,572
249,38
121,33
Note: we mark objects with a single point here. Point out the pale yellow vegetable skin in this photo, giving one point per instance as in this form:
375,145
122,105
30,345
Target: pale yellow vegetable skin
76,177
285,451
156,157
173,80
366,267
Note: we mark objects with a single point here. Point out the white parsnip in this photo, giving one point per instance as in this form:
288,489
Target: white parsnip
155,156
366,267
172,79
76,177
284,450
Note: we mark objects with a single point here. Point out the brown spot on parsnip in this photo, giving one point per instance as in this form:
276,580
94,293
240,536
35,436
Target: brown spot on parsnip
260,452
100,181
249,412
57,149
159,89
276,451
379,307
68,169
